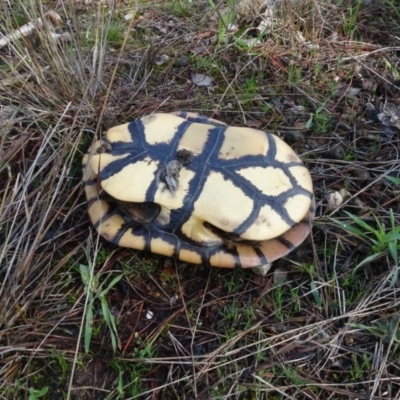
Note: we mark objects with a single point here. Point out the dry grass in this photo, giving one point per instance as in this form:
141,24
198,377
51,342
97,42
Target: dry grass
327,330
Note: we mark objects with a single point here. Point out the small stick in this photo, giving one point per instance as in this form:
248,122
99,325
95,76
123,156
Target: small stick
30,27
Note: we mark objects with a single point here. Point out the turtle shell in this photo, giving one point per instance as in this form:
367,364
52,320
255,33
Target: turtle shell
186,186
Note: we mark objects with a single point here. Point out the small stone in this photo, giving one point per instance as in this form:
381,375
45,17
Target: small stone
361,205
362,174
334,199
292,137
280,275
377,187
337,152
149,314
160,60
129,16
371,113
262,269
201,79
182,61
344,193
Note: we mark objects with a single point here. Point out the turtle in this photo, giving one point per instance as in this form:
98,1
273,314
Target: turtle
187,186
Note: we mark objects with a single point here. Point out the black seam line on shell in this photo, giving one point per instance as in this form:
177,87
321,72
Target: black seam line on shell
251,191
91,201
204,252
246,162
182,114
222,166
201,166
283,197
313,207
134,150
105,217
117,166
204,256
256,160
229,171
260,255
234,253
271,152
293,181
156,233
136,231
148,236
164,153
137,131
121,231
137,143
90,182
126,148
195,243
288,244
209,253
202,119
177,247
228,168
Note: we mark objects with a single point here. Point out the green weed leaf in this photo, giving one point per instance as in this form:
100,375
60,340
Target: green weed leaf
37,394
85,274
396,181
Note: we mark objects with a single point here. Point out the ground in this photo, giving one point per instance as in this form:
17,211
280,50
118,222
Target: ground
83,319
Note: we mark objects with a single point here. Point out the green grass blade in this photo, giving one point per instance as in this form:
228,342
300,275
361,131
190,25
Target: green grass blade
396,181
392,236
361,223
110,321
85,274
110,286
373,330
315,293
351,229
371,258
88,327
393,251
